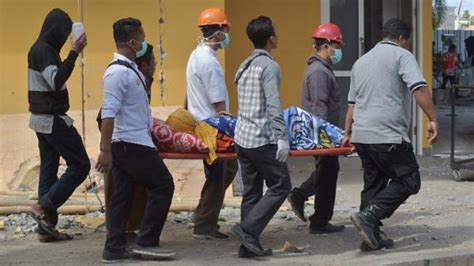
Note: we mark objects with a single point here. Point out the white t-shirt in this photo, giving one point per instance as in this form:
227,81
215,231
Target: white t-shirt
205,83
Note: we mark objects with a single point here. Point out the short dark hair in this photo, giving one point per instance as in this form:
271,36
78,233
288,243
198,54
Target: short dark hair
394,28
452,47
259,30
209,30
146,58
125,29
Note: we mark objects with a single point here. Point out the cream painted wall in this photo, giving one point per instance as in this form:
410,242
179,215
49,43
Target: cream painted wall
21,22
294,21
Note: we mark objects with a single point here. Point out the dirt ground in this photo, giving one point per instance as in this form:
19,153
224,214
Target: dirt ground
437,222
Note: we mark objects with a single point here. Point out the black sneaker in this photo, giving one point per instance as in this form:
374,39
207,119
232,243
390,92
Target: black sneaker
155,252
246,253
297,204
366,227
325,229
209,236
250,242
111,257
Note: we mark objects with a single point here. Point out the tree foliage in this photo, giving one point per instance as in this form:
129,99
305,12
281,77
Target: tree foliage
438,13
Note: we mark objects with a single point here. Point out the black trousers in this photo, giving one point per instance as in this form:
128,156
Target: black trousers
390,175
446,79
219,176
322,183
259,165
132,163
63,142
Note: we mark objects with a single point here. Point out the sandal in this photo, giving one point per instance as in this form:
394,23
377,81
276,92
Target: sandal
37,213
47,238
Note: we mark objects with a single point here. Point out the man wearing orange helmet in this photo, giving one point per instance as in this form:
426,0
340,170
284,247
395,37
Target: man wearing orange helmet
321,97
207,96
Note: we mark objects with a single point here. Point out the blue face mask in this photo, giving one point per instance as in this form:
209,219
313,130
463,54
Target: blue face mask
337,57
226,42
142,51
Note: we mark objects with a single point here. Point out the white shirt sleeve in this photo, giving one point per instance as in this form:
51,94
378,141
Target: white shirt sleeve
214,84
115,87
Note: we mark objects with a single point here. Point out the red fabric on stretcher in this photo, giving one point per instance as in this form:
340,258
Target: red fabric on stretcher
231,155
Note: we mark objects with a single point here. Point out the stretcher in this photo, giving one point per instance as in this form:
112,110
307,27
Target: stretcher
233,155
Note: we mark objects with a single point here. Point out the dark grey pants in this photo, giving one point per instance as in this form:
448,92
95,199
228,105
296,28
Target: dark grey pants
322,183
259,165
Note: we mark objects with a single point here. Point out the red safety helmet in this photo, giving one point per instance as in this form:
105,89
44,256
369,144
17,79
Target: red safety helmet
328,31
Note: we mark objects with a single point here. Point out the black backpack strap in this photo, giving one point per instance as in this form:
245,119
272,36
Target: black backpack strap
127,65
247,65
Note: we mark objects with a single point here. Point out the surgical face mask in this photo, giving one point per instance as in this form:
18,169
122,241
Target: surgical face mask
337,56
142,51
226,42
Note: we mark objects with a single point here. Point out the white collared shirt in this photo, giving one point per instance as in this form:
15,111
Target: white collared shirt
205,83
126,101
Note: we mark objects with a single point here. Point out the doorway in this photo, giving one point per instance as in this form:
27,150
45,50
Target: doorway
361,24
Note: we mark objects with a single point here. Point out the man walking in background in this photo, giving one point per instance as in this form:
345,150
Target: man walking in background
48,100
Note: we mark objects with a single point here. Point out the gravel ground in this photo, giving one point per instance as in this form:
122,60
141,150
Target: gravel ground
438,220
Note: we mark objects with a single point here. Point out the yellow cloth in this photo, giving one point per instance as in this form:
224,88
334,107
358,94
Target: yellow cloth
325,140
208,134
182,121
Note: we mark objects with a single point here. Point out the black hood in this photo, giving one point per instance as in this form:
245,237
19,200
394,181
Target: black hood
56,28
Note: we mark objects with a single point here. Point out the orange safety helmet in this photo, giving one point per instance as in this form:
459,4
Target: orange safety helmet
213,16
328,31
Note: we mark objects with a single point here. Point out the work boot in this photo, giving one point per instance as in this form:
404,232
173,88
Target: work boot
325,229
366,223
384,242
297,204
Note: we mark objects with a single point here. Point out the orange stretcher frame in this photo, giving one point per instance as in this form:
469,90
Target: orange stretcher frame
233,155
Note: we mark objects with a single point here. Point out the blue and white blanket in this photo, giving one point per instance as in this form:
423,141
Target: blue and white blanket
307,132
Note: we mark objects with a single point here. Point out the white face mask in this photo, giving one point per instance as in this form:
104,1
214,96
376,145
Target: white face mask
223,44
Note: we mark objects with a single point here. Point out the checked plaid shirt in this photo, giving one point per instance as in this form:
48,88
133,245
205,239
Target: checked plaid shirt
260,117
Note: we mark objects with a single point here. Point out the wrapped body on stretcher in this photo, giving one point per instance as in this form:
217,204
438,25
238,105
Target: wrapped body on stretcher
180,137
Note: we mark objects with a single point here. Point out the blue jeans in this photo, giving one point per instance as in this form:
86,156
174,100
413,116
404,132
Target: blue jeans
63,142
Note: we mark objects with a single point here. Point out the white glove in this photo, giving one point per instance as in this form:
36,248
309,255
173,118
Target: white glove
283,150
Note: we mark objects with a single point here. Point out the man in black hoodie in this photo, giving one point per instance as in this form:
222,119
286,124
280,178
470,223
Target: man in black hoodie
48,103
320,96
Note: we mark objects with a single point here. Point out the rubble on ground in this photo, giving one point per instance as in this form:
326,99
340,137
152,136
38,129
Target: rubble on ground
23,226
